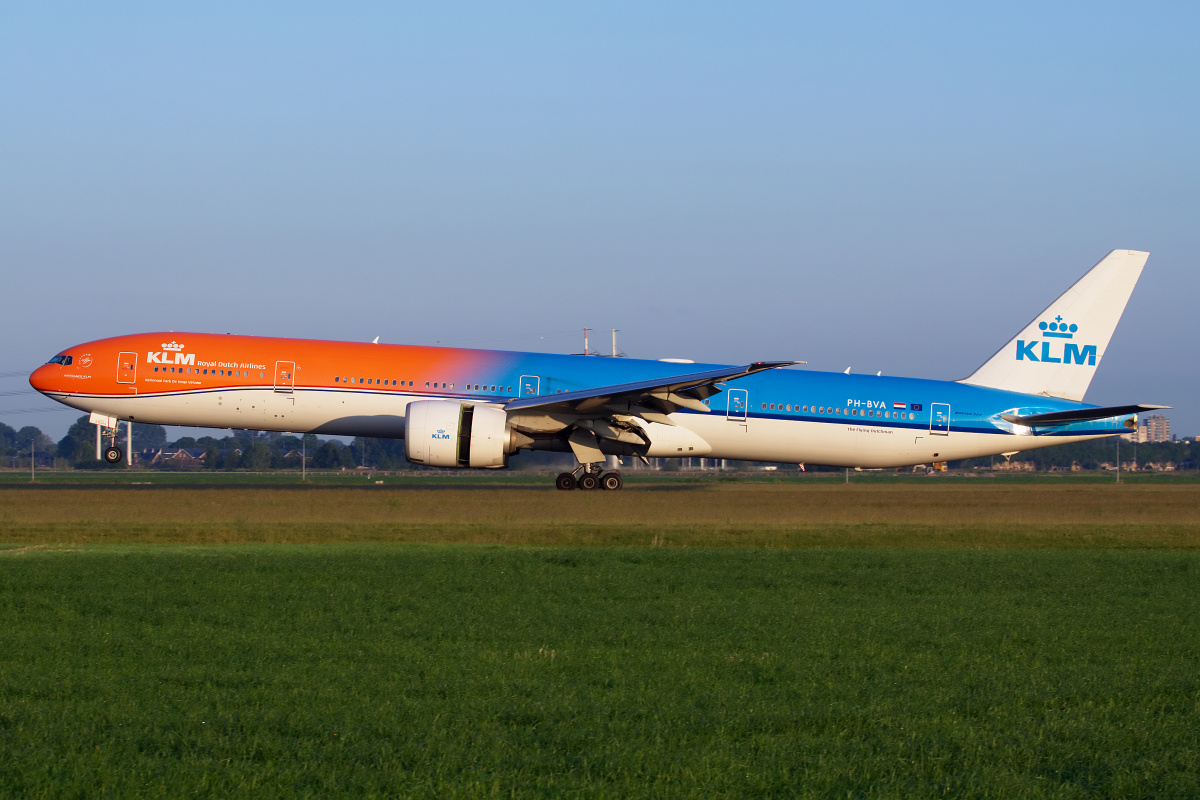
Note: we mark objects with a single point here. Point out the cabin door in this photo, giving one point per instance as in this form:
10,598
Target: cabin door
530,386
285,376
127,368
739,401
939,418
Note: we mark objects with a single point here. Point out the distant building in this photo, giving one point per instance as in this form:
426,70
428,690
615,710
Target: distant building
1155,428
184,457
1158,429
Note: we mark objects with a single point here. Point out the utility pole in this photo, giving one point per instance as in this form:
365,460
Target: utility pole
585,341
303,459
32,457
614,342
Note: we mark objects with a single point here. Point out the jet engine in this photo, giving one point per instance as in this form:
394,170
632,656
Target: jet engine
444,433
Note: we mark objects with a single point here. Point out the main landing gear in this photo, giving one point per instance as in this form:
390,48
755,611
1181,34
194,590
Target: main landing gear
113,455
588,477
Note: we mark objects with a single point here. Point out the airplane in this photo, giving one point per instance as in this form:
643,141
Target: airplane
465,408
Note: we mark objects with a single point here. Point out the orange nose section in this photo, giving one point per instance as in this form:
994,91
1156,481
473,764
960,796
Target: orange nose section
42,378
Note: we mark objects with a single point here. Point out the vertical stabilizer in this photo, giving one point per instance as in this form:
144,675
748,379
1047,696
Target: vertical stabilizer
1057,354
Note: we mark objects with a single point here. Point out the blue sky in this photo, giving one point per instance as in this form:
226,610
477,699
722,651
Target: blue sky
893,187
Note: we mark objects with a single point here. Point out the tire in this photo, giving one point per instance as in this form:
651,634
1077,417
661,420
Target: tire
564,482
588,481
113,455
611,481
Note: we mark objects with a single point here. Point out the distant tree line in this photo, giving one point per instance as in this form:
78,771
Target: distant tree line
14,442
1095,454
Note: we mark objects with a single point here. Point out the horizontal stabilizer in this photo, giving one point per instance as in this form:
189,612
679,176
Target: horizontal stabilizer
1077,415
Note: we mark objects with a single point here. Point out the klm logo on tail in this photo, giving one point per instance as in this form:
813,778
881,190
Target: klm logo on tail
1069,353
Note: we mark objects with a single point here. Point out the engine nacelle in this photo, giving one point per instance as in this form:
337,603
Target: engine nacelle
444,433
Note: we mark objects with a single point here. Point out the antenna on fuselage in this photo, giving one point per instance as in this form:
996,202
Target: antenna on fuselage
847,372
375,340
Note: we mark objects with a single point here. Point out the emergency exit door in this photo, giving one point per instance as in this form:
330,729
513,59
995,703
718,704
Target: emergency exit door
127,368
285,376
530,386
739,401
939,418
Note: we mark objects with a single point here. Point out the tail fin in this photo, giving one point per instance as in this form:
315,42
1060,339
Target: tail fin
1057,354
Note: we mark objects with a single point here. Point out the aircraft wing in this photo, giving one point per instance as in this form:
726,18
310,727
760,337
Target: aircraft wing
651,400
1076,415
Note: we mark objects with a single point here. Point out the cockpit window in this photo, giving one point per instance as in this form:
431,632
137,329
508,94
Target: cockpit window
60,359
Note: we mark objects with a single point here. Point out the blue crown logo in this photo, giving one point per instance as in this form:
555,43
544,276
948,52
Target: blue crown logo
1058,329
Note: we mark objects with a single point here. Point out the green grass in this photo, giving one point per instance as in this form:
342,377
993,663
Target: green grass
418,670
937,515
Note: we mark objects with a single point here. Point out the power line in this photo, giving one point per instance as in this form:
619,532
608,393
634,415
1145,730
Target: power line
23,373
17,392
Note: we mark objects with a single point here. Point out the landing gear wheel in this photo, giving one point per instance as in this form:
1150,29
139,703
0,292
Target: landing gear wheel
564,482
113,455
610,481
588,481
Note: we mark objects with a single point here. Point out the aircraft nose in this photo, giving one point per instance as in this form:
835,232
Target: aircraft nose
40,378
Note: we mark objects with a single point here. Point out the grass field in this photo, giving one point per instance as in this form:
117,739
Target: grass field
763,640
822,514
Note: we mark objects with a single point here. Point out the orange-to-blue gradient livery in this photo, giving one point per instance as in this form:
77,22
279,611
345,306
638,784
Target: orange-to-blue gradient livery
475,408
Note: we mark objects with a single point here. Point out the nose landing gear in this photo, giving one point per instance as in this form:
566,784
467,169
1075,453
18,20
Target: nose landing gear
112,454
588,477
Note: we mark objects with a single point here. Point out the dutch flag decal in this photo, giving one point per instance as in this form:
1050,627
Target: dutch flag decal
899,405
